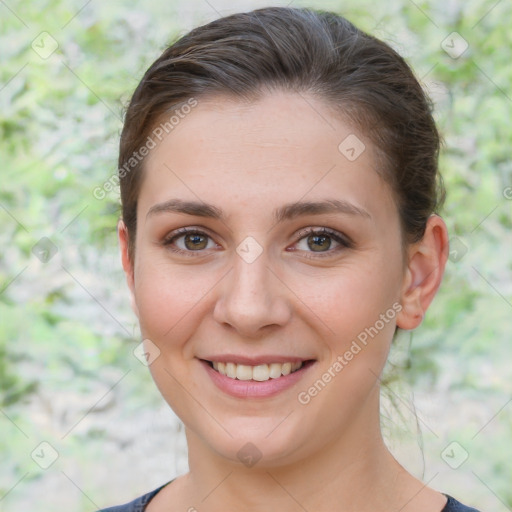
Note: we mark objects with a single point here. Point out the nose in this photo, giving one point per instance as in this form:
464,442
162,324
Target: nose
252,299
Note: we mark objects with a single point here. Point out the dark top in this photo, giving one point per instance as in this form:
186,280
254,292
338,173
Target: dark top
139,505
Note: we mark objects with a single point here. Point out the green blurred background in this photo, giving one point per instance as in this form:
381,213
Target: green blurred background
68,375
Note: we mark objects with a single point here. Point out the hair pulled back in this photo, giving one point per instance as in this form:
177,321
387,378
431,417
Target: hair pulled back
248,54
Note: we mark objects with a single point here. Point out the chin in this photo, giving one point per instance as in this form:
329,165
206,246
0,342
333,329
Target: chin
261,444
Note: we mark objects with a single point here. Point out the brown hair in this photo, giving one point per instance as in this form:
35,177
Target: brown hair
300,50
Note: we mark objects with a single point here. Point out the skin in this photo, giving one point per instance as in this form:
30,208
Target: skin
249,159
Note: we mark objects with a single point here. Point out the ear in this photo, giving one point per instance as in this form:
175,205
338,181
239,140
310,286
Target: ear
122,233
426,263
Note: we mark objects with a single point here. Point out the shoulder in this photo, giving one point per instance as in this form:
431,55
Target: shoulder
137,505
455,506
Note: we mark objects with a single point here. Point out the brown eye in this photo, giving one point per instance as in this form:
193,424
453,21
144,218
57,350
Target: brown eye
195,241
319,243
189,241
322,241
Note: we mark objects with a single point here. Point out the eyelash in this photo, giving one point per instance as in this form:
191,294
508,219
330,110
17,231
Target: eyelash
343,241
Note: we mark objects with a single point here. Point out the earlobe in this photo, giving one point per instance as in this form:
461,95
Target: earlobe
424,273
128,267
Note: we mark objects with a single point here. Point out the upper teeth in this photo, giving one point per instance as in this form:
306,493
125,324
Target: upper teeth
261,372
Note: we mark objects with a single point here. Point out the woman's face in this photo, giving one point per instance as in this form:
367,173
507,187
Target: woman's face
252,283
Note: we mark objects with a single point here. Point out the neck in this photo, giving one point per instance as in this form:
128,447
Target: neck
352,471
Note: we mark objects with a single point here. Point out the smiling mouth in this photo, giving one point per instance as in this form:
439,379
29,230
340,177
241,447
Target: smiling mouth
259,373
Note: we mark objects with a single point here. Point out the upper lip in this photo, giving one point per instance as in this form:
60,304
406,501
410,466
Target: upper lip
254,360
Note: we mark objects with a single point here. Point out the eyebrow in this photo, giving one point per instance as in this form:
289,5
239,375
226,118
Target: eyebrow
288,212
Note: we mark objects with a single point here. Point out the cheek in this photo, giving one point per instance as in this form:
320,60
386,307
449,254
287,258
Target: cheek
169,297
358,310
351,299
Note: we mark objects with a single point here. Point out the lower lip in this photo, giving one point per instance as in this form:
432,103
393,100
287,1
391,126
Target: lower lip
253,388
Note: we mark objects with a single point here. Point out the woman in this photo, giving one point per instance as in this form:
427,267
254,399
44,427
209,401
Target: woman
279,187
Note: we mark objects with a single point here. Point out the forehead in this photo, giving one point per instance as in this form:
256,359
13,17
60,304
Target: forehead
279,148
